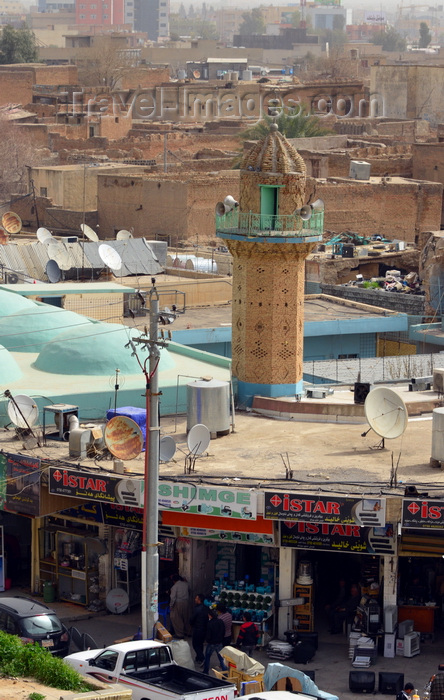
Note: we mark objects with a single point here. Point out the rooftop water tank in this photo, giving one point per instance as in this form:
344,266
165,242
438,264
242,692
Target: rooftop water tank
208,402
360,170
438,435
201,264
181,74
247,75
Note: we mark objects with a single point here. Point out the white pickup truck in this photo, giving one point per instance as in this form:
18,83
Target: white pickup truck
148,668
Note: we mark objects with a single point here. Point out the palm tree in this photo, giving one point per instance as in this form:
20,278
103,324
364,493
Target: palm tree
291,123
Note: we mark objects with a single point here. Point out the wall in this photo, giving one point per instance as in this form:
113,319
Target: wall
400,208
16,87
406,303
418,91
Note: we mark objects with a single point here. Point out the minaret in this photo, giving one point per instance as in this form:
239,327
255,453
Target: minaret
269,241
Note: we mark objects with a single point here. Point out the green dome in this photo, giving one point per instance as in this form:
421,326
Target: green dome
29,329
11,302
9,369
96,349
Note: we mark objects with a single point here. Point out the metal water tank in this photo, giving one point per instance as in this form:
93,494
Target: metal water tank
201,264
247,75
181,74
359,170
208,402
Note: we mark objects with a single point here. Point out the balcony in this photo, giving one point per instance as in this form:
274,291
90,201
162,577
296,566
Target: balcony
252,225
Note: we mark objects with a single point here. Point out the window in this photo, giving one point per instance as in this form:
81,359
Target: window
43,192
162,24
129,14
82,16
105,16
93,6
163,14
93,16
82,7
107,660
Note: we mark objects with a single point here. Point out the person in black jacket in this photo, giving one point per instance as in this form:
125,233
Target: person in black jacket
248,635
199,623
215,640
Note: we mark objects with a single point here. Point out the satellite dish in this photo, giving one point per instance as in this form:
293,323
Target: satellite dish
110,257
167,448
58,252
123,438
198,439
53,271
44,235
117,600
196,74
23,411
11,222
88,232
386,412
123,235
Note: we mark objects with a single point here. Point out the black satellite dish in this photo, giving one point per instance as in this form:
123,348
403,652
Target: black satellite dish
53,271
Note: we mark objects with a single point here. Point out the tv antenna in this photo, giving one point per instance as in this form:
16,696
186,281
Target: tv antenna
44,236
23,412
110,257
386,414
88,232
123,438
11,222
123,235
58,252
53,271
198,440
167,448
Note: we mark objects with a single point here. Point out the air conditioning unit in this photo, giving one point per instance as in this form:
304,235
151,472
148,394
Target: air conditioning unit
14,277
359,170
318,393
438,380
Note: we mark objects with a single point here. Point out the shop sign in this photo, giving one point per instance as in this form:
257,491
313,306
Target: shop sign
420,513
367,512
94,487
207,500
122,516
338,537
240,537
88,511
23,484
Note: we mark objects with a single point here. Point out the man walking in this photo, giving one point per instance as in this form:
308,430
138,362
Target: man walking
179,606
199,622
215,640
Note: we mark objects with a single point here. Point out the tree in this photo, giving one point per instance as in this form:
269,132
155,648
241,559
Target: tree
103,65
390,40
292,123
425,36
17,46
252,22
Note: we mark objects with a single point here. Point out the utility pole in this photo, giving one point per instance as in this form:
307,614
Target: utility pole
150,544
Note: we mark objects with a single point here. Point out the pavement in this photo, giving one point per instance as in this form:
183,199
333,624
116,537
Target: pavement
331,663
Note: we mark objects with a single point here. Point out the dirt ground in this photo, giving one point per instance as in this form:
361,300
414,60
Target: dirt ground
21,689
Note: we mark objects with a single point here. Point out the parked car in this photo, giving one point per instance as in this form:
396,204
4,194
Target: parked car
33,622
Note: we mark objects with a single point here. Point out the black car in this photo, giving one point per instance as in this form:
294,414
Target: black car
33,622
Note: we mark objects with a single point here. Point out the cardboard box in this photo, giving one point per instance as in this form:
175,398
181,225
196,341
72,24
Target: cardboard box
389,646
162,633
399,647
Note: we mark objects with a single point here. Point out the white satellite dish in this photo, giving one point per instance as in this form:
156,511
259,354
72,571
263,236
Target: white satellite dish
198,439
386,412
123,235
110,257
58,252
23,411
88,232
53,271
167,448
44,235
117,600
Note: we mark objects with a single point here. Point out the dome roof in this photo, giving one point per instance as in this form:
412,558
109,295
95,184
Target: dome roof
96,349
30,328
9,369
10,302
274,154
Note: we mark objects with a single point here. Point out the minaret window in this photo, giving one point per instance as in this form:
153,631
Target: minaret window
269,206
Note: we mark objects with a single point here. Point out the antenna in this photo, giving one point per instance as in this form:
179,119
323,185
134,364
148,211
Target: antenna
88,232
53,271
167,448
123,438
123,235
11,222
58,252
22,410
44,235
110,257
386,413
117,600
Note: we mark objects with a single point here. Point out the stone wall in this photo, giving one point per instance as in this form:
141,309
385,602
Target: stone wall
406,303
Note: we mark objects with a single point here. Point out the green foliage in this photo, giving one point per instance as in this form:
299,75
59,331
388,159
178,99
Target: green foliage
333,37
252,22
425,36
195,27
292,123
390,40
370,285
17,46
17,659
36,696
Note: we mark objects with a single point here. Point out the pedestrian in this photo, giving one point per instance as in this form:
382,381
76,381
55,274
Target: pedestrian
215,640
227,619
179,606
437,684
248,635
199,623
406,693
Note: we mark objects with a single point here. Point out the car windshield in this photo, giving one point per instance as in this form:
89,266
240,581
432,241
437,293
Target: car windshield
41,624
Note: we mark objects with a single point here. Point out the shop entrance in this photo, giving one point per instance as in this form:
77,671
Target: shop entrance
17,549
